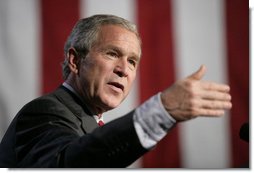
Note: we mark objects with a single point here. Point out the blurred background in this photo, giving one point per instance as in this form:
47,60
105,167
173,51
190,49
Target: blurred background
178,36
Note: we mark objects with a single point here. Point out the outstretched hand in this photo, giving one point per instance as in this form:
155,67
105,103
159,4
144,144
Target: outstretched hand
192,97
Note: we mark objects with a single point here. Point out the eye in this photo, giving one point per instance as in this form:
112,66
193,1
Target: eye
112,54
132,62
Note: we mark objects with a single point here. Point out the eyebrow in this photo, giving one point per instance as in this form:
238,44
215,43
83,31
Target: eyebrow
121,52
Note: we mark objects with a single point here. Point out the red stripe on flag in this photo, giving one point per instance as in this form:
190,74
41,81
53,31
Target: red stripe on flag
157,71
58,18
237,19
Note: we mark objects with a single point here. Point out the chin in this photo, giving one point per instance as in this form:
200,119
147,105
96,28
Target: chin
112,104
111,101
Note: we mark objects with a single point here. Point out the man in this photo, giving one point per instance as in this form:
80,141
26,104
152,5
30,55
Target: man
60,129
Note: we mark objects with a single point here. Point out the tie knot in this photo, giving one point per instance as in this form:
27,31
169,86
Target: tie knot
100,123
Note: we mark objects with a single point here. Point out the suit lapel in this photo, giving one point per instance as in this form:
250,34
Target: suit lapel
78,108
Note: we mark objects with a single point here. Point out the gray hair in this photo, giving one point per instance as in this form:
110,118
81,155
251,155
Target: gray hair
85,32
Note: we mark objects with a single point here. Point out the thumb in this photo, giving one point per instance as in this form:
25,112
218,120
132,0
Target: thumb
198,75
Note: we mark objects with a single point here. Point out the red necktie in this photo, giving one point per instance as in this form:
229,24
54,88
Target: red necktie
100,123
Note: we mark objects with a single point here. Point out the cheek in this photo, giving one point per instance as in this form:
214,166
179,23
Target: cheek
88,76
93,70
100,76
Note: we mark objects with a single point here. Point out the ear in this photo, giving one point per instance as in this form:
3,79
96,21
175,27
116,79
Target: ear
73,60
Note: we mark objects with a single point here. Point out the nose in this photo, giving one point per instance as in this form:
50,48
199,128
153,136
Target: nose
121,68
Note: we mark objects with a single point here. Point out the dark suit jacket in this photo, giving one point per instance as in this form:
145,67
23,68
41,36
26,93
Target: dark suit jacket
57,130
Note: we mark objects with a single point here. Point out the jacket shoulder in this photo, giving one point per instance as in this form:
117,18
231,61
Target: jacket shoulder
44,104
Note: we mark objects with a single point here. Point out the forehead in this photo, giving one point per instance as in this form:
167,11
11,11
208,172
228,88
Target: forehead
119,36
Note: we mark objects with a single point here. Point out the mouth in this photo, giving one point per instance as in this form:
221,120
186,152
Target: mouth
117,85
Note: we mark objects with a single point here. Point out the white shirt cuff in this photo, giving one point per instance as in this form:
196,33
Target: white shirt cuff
152,122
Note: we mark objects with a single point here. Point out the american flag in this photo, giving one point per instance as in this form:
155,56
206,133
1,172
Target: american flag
178,36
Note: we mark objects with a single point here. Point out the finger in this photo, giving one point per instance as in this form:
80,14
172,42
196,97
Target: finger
211,113
215,86
198,75
187,114
215,95
202,112
213,105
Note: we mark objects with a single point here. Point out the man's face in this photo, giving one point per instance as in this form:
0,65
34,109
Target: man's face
109,69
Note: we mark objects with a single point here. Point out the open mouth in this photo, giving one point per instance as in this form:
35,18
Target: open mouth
117,85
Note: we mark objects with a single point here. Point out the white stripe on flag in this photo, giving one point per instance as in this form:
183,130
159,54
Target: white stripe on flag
19,54
200,39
